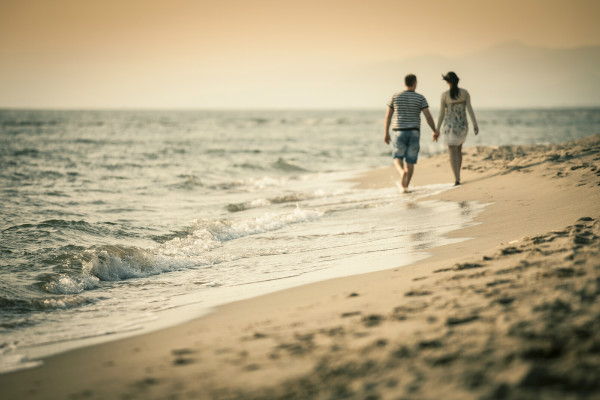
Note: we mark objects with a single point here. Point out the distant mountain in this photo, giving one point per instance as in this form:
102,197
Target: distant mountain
507,75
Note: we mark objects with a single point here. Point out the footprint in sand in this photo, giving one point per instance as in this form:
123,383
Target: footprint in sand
373,320
182,357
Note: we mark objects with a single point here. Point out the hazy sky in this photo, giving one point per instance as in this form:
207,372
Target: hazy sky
248,53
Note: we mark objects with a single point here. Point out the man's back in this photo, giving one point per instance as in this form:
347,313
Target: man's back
407,107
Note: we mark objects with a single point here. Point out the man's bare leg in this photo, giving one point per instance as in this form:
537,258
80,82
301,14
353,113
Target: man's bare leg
399,164
406,172
410,169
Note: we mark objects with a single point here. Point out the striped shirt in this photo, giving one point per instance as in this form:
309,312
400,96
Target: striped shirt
407,107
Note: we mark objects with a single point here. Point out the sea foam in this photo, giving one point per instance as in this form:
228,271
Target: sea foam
116,263
11,360
65,284
209,234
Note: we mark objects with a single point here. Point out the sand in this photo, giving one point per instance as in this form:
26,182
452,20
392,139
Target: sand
513,313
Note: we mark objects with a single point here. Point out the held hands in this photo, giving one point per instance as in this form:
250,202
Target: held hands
436,135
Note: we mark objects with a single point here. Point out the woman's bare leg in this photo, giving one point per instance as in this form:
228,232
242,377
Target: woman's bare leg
460,157
453,151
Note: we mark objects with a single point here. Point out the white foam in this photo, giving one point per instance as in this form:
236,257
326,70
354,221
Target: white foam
229,230
11,361
247,205
71,285
63,302
265,182
198,243
114,263
210,234
258,203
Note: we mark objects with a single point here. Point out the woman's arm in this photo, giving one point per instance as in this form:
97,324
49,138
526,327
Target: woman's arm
471,113
436,134
442,112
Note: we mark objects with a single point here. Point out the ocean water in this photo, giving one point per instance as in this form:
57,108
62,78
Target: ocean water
117,222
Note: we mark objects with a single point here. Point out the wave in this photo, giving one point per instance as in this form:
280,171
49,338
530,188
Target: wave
228,230
289,198
65,284
53,223
250,184
15,323
26,152
208,234
249,166
286,198
121,166
86,269
105,228
11,360
257,203
299,121
235,207
266,181
285,166
39,303
90,141
188,182
78,269
28,123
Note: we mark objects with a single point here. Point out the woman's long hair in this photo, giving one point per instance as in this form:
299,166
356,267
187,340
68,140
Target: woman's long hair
452,79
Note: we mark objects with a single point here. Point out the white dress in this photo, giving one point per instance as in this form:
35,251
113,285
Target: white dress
453,114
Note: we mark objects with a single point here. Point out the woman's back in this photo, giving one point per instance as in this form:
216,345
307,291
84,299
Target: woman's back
453,113
454,105
462,97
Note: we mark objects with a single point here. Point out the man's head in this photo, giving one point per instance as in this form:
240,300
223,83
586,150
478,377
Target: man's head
410,81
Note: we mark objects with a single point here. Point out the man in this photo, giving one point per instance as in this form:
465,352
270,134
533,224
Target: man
405,108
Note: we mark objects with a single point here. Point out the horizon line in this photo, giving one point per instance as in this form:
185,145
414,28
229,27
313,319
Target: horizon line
350,108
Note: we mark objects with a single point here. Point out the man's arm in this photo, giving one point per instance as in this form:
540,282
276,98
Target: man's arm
430,122
388,121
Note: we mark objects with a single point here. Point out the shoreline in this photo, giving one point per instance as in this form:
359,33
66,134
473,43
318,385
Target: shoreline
193,308
261,346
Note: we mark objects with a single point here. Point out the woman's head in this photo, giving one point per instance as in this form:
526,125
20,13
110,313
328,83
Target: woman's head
452,80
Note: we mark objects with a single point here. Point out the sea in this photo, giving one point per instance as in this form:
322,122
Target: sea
118,222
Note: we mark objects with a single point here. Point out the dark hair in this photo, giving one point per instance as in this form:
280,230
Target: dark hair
410,80
452,79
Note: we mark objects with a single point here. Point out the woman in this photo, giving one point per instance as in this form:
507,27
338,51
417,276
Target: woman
455,102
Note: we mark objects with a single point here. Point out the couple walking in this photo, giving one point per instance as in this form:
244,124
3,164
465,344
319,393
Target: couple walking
405,108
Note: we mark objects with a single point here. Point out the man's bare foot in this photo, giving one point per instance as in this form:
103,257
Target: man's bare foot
457,183
401,187
404,181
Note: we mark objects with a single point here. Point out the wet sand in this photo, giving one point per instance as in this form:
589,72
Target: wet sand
513,313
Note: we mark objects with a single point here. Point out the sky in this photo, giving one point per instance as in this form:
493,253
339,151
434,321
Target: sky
250,53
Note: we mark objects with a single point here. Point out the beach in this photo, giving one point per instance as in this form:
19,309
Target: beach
510,313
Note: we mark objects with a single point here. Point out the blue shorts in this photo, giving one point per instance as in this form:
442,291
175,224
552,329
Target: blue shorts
406,145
